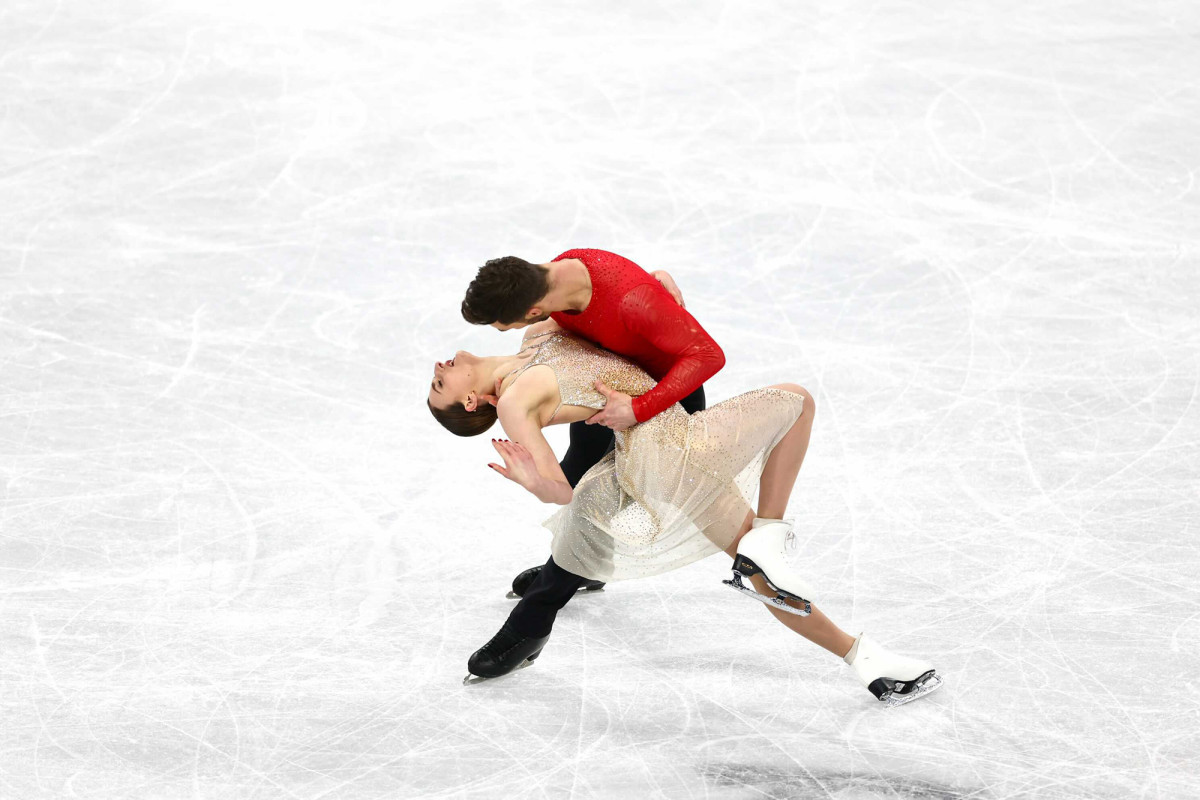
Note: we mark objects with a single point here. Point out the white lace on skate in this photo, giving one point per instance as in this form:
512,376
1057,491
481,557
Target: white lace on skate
790,543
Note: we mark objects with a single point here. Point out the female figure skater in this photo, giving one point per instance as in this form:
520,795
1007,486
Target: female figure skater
672,491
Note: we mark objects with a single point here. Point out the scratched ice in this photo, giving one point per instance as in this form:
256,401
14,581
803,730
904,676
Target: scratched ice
239,559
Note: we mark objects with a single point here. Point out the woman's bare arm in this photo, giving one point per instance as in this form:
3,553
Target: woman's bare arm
528,458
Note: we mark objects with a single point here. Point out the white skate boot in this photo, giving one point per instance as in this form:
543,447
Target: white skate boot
893,679
767,549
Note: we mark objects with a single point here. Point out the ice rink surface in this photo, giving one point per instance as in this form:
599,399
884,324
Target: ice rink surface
238,558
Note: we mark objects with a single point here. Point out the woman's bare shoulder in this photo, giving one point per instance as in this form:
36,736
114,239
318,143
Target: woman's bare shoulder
538,328
530,393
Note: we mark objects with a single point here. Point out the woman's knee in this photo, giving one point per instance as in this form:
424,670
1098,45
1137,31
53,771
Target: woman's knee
810,405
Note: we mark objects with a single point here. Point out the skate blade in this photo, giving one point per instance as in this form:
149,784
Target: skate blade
581,590
745,568
930,684
773,602
473,680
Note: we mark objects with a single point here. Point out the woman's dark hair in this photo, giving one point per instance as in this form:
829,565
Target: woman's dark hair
503,290
461,422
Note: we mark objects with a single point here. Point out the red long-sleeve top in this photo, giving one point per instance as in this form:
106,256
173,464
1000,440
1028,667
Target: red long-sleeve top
631,314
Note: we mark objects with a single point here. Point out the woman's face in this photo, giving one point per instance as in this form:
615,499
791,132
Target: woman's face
453,382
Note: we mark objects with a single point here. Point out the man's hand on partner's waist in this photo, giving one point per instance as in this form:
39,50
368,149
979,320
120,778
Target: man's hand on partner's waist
617,412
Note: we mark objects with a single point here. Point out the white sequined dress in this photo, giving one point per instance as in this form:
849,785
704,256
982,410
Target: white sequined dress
676,487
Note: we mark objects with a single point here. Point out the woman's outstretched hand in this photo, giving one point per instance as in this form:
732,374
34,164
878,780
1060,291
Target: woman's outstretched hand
519,465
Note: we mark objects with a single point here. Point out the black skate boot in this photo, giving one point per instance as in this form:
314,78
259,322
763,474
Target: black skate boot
522,582
507,652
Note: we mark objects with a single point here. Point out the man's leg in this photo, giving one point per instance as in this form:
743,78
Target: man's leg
589,444
544,596
694,402
528,627
586,442
552,586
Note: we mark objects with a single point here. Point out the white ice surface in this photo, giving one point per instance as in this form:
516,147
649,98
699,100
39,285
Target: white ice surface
239,559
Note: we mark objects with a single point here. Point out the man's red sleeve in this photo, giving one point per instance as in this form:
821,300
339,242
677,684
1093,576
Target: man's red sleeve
654,315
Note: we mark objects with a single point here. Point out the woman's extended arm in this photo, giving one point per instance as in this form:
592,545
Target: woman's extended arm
528,458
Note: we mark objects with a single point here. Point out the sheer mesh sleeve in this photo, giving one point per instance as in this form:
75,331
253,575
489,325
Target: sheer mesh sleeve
654,315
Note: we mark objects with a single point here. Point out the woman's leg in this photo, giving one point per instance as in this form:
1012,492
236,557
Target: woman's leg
779,475
775,487
816,627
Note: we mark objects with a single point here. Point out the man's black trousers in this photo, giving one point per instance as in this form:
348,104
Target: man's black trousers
554,586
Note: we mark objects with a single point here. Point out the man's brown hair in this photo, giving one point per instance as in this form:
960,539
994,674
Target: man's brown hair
503,290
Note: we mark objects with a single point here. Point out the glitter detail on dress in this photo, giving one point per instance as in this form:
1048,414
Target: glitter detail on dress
676,488
578,364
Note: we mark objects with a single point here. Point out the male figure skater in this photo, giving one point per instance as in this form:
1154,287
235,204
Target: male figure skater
612,301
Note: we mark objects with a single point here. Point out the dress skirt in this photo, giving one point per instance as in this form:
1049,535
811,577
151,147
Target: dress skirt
675,489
